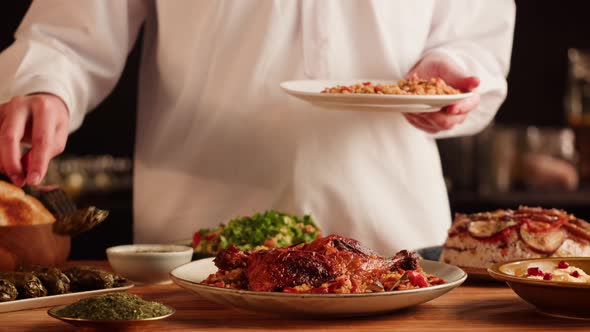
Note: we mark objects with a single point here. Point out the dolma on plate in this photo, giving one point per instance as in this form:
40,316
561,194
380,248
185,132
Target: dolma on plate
8,291
26,283
52,278
83,278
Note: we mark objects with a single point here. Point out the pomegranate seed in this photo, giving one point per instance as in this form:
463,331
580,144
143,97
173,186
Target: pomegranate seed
534,271
562,265
575,274
547,276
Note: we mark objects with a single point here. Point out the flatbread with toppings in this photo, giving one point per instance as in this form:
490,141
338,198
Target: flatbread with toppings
481,239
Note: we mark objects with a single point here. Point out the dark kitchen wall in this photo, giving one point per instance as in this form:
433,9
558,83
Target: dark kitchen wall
544,31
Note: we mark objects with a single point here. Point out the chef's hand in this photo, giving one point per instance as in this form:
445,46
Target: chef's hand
41,120
439,65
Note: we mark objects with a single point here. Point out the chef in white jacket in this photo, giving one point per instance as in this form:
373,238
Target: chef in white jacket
217,138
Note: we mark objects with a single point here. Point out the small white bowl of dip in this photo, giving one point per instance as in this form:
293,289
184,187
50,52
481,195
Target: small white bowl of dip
148,263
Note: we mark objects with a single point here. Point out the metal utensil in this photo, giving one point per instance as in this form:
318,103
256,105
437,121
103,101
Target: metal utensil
70,220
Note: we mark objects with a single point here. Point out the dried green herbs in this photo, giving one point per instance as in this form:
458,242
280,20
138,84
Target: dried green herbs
114,306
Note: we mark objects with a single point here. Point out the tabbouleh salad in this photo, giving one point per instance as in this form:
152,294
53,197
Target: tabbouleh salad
270,229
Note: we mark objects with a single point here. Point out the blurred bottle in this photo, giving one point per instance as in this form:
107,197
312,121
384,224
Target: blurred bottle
497,159
548,158
458,161
577,104
519,158
84,175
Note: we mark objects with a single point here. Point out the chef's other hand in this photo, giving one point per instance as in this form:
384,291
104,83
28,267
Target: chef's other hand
39,119
440,65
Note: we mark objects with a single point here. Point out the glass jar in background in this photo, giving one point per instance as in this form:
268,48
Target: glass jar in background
497,159
90,174
548,158
458,161
577,103
526,158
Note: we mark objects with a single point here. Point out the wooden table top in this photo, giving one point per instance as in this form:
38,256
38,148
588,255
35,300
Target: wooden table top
471,307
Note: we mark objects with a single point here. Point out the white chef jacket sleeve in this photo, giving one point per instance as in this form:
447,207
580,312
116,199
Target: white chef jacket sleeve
73,49
477,35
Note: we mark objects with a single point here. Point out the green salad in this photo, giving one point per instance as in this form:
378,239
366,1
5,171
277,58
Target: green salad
270,229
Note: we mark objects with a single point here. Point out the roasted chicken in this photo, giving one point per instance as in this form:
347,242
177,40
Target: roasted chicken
330,264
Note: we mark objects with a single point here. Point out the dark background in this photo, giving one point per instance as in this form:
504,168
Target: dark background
537,81
544,31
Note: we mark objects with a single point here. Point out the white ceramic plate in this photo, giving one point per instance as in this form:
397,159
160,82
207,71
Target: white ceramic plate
310,91
54,300
190,275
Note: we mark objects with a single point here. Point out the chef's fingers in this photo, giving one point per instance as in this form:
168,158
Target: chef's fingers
420,123
464,106
43,142
426,119
441,66
15,116
61,136
455,76
443,121
461,82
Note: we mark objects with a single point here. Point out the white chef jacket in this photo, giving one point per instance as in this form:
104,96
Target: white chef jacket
216,136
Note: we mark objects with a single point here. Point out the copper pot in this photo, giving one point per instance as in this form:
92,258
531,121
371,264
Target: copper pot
32,245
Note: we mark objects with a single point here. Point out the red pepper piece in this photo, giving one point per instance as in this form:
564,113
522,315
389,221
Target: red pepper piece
417,279
196,239
290,290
